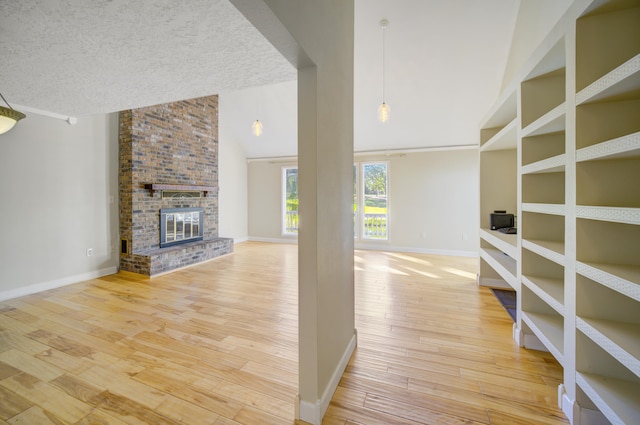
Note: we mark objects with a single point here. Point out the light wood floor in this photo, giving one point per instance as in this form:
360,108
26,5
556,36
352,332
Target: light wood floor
217,344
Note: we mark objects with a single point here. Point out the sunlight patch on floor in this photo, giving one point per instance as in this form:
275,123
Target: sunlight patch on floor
410,258
459,272
391,270
423,273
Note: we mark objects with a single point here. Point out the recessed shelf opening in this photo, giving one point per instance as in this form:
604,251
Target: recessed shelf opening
596,54
490,277
592,359
545,274
609,183
543,227
544,188
596,301
498,183
607,242
542,94
545,323
531,303
602,121
538,148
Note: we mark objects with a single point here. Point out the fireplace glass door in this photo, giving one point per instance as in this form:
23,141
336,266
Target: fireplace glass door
180,225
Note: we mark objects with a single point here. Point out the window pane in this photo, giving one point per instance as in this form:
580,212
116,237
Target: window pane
355,201
291,200
375,201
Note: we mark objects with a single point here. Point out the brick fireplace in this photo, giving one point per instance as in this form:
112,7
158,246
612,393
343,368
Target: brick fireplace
168,160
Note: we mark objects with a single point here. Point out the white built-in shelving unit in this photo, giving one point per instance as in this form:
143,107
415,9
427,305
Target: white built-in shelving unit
567,132
499,252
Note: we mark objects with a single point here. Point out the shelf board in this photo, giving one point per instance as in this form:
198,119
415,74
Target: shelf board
180,187
502,241
553,209
504,110
623,79
622,147
503,140
618,400
551,122
615,214
551,250
549,330
619,277
621,340
550,165
548,289
504,265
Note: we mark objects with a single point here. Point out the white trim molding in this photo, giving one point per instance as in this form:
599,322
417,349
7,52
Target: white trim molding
313,412
394,248
57,283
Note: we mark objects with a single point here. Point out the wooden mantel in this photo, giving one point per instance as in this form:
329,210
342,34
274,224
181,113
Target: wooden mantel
180,187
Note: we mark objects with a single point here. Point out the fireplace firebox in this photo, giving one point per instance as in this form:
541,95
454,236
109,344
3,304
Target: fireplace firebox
180,225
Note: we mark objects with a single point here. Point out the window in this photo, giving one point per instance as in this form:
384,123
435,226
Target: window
370,203
290,201
370,200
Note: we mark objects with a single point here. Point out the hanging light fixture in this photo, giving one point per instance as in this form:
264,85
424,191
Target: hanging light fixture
383,110
256,128
8,116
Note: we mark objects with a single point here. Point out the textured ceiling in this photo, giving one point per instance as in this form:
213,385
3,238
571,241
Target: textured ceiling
445,63
78,57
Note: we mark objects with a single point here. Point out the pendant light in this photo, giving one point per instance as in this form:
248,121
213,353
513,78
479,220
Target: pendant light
383,110
256,128
8,116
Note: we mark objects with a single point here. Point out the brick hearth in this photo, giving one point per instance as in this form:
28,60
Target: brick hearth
177,144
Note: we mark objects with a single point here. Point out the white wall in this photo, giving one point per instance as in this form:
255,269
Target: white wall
535,20
59,197
433,203
433,199
265,200
232,180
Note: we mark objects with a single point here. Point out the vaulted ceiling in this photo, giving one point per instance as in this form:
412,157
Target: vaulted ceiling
445,62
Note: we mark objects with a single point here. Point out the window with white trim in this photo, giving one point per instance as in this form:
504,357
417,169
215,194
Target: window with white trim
371,200
290,200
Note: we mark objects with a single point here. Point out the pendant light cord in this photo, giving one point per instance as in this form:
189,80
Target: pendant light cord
5,101
384,28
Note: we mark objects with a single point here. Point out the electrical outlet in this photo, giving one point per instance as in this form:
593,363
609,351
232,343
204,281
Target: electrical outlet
89,252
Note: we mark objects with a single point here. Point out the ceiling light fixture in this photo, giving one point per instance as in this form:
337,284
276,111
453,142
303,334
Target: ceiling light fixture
256,128
8,116
383,110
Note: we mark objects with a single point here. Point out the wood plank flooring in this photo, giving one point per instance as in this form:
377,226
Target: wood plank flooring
217,344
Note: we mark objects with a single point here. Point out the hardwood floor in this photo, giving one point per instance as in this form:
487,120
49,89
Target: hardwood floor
217,344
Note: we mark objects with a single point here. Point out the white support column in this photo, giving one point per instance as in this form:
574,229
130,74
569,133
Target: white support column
317,37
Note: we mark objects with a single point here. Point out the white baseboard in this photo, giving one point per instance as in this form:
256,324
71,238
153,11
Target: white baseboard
376,247
577,414
566,404
292,240
240,240
393,248
57,283
313,412
518,336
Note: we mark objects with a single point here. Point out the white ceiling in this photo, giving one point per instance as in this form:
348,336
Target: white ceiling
445,61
